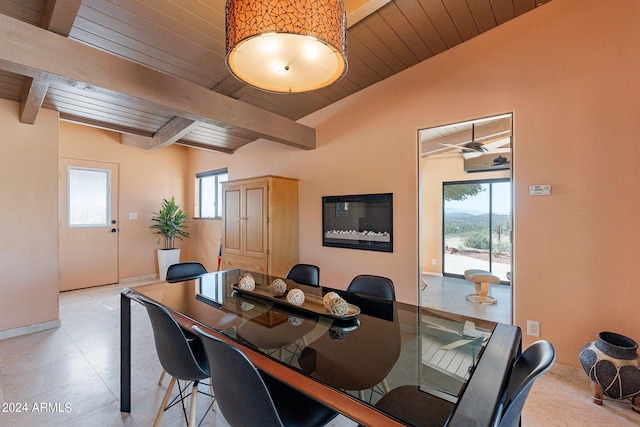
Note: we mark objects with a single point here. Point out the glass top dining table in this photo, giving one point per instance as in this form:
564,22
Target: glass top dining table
456,367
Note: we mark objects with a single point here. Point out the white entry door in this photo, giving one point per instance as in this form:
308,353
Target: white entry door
88,223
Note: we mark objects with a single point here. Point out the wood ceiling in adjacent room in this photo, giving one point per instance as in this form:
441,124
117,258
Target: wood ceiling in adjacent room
179,48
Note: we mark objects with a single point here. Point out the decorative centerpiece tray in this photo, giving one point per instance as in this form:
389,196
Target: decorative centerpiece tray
312,303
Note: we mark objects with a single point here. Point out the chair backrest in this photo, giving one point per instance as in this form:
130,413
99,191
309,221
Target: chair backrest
533,362
241,393
376,286
184,271
182,358
305,274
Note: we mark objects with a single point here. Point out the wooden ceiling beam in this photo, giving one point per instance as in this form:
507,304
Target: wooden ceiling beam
167,135
58,17
33,93
172,131
30,51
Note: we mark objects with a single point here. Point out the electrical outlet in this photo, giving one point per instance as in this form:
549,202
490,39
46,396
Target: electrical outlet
533,328
433,261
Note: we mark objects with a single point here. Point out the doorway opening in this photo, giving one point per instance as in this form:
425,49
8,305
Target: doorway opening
465,214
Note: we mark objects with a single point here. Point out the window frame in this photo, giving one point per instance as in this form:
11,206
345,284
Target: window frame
216,173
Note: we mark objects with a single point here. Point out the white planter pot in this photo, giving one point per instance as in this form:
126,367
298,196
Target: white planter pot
166,258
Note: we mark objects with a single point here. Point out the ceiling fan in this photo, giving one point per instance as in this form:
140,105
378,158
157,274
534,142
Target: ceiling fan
472,149
493,144
500,161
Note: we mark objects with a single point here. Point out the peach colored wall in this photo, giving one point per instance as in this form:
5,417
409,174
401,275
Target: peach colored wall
29,218
568,71
205,244
435,171
323,172
145,179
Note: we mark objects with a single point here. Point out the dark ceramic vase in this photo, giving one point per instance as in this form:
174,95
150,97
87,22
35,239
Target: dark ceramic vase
612,364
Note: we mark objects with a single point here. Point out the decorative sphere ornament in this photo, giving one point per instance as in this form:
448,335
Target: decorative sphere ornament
247,283
338,307
246,306
295,320
328,297
295,297
337,335
278,287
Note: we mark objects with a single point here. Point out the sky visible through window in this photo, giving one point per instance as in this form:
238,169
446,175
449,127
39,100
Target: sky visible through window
478,204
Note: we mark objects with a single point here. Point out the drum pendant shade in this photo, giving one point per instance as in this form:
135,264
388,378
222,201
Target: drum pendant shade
286,46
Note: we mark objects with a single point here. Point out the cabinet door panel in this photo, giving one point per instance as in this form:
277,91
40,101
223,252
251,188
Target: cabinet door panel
256,221
232,221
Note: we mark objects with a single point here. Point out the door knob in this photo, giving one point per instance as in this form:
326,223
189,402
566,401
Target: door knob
113,230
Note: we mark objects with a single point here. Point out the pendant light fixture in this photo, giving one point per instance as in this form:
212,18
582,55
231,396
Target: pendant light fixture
286,46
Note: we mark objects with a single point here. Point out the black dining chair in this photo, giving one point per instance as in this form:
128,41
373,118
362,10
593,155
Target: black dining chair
411,405
248,397
334,363
305,274
376,286
178,273
537,359
181,355
185,271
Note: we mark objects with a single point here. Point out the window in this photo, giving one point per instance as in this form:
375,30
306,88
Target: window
209,187
89,197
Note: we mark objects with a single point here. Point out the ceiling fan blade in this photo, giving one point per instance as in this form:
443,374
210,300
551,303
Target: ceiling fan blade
471,154
460,146
499,150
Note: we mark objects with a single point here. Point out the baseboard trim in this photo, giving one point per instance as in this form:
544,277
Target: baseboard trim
429,273
139,278
29,329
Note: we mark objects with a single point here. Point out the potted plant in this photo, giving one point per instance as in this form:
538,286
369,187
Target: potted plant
169,223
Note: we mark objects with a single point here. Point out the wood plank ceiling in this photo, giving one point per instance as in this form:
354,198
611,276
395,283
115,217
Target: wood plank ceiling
180,44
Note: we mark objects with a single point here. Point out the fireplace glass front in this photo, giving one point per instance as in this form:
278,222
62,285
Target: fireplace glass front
363,221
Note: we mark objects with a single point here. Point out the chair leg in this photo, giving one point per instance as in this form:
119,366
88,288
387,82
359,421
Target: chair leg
167,395
161,377
192,408
213,395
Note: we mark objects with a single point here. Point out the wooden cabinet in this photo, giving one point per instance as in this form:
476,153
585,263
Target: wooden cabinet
260,225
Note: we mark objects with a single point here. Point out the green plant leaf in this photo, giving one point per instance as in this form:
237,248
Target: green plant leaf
170,223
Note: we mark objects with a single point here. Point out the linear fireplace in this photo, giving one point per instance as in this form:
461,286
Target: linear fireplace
363,221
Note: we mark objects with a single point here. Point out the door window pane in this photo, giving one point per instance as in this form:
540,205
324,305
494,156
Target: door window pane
89,197
477,227
466,227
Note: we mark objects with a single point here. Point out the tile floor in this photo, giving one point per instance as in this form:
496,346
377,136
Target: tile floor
70,376
448,294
